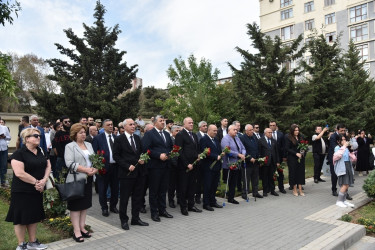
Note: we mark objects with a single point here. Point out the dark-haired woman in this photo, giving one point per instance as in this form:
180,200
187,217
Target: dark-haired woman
363,152
295,160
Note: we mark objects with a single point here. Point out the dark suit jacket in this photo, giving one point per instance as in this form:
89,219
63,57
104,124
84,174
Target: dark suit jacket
100,143
264,150
219,135
125,156
281,145
331,149
251,145
199,135
152,141
189,148
206,142
89,138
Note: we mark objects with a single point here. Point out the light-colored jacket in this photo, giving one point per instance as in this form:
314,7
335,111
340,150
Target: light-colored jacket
76,157
338,160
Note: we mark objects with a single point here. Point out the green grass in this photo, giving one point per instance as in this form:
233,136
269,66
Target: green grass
8,238
309,172
368,211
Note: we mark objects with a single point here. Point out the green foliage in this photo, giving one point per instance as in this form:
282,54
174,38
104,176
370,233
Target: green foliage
264,84
151,101
369,185
346,217
6,10
96,80
368,223
63,224
8,86
190,93
53,205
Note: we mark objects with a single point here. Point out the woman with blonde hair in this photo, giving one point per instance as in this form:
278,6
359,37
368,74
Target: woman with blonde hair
77,160
31,168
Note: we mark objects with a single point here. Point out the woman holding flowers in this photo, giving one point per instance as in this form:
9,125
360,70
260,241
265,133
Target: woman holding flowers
77,159
295,159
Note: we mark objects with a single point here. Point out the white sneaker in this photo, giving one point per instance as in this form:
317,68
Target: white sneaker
36,245
23,246
348,204
340,204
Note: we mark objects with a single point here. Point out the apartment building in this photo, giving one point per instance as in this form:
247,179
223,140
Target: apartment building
353,19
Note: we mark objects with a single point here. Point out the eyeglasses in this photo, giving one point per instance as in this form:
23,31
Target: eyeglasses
66,122
35,136
256,127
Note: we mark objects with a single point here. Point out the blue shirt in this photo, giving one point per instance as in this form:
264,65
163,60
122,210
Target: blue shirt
345,156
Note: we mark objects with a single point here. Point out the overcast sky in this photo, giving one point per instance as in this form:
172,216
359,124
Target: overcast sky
154,32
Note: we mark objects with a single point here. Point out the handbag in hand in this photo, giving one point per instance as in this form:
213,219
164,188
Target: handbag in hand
50,182
71,190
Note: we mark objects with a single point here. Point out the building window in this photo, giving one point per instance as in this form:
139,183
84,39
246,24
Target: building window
358,13
287,33
363,51
329,2
285,14
330,18
284,3
309,6
359,33
331,37
309,24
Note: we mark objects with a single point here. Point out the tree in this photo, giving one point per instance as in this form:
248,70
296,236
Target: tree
151,101
191,90
265,83
93,82
8,86
6,10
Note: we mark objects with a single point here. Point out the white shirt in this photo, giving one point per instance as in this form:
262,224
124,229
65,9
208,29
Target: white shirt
87,153
323,143
109,147
129,140
162,134
257,135
202,134
274,135
224,131
4,142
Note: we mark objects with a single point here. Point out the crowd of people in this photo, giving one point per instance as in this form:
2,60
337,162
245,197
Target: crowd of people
190,178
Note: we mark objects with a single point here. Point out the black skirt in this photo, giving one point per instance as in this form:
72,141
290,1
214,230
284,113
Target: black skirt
25,208
85,202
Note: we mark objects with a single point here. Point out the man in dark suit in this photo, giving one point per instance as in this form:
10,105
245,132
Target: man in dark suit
93,131
131,173
188,141
267,147
202,125
223,130
250,142
211,176
173,171
319,152
105,141
257,133
160,144
278,136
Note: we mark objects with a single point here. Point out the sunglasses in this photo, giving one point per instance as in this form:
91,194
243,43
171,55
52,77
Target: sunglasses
66,122
35,136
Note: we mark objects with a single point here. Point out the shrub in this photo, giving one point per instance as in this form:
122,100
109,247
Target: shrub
63,224
368,223
346,217
369,185
53,205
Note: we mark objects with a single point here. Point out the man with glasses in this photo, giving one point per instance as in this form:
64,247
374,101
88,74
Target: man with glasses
62,137
257,134
105,141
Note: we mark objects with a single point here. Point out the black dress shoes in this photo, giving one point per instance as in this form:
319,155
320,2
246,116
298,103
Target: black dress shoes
165,214
274,193
114,210
143,210
139,222
207,207
198,199
184,212
334,193
290,188
217,205
171,204
244,196
282,191
125,225
348,197
258,195
316,180
233,201
155,218
265,194
321,180
105,212
195,209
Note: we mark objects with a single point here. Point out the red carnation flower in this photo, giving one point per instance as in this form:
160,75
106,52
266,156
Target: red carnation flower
98,152
228,147
148,152
103,161
102,152
209,152
266,160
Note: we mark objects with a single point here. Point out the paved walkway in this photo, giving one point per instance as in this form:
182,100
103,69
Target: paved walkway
284,222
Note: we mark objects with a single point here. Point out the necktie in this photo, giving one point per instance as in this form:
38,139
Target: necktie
191,136
132,143
111,142
238,148
213,141
274,135
269,143
162,136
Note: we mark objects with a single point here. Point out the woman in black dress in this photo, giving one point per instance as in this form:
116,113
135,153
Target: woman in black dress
363,152
296,160
31,168
77,158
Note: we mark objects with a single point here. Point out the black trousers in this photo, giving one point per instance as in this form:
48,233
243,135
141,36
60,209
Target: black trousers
210,180
239,182
173,181
333,177
232,182
267,178
134,188
158,186
109,179
200,180
252,174
280,180
145,187
318,164
187,185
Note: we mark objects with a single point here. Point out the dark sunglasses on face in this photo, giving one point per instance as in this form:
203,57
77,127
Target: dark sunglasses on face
66,122
34,135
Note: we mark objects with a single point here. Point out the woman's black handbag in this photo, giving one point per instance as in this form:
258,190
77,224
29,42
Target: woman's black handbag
71,190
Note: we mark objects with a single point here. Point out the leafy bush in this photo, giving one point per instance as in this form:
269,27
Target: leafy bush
63,224
368,223
346,217
369,185
53,205
5,193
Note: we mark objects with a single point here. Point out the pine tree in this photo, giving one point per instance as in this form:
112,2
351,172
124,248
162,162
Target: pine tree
264,86
151,101
91,85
